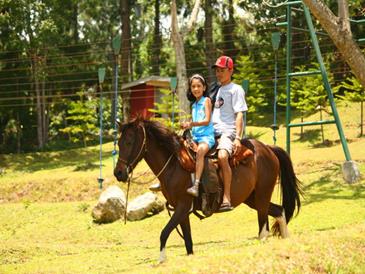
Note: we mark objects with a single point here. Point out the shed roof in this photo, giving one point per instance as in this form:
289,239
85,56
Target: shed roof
155,81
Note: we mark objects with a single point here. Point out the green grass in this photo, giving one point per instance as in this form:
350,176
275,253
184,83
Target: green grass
46,226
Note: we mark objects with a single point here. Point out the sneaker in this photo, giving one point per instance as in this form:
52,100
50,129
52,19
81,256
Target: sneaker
194,190
225,207
155,187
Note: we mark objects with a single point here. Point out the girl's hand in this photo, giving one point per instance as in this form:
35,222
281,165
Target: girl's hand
186,125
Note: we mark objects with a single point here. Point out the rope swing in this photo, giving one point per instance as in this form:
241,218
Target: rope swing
101,76
275,40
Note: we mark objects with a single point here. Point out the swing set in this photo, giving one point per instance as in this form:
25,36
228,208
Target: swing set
349,168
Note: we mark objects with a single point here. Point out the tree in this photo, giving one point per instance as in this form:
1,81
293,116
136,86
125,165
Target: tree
308,94
246,70
164,110
177,39
208,37
126,56
354,93
81,120
338,28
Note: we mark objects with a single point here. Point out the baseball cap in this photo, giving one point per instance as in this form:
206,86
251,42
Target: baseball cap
224,62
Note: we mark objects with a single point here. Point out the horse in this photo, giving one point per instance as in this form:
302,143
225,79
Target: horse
253,182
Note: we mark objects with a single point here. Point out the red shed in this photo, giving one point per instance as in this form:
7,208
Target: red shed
144,92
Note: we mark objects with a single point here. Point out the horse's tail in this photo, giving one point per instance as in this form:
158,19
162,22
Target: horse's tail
290,185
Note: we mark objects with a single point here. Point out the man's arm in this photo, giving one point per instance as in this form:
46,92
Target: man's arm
239,125
237,140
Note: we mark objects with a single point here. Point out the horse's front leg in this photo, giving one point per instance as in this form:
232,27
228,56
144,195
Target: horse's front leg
181,213
185,227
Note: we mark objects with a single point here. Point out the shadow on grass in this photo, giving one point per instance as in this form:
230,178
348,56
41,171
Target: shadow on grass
313,136
326,188
31,162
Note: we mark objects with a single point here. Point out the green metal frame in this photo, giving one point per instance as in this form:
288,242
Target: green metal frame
322,71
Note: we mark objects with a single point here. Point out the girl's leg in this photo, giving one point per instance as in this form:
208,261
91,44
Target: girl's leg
202,150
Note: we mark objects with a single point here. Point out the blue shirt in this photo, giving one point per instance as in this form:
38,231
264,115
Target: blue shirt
198,113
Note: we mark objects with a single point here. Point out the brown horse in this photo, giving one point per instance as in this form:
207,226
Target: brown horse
253,181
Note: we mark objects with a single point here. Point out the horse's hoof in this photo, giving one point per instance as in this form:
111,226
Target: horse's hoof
162,256
263,234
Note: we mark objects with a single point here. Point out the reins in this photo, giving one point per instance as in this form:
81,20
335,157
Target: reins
126,199
130,174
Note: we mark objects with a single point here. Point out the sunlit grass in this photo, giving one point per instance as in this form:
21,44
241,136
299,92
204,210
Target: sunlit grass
46,226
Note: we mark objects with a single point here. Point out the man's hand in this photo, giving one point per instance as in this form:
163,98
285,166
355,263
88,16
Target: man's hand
237,146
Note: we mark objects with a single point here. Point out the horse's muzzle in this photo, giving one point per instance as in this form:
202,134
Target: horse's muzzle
121,175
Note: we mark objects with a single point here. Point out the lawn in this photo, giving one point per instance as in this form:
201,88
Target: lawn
46,226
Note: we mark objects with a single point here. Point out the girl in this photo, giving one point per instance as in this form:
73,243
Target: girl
202,127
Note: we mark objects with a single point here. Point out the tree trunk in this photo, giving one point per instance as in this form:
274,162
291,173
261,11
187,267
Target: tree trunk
75,13
182,80
18,133
44,105
157,41
125,68
362,118
208,35
228,27
34,60
339,31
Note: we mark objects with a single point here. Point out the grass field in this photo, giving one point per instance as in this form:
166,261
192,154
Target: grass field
46,226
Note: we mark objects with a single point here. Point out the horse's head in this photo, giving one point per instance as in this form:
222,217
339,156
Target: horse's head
132,147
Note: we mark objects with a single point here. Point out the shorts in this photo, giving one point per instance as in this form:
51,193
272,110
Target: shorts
225,142
205,139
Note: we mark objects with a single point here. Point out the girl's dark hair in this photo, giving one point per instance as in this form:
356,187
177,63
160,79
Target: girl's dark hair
189,94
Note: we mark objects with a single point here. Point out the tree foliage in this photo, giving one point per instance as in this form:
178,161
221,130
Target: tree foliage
52,49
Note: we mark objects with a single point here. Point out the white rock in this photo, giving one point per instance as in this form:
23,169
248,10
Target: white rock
143,205
111,205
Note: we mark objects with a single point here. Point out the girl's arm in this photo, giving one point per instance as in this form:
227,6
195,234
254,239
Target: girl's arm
208,114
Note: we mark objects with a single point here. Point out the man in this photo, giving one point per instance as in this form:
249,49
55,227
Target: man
228,122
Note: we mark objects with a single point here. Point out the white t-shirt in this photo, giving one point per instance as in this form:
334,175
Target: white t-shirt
230,100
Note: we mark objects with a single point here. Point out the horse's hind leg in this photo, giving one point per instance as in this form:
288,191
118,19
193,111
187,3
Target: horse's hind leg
280,224
262,214
185,227
181,212
275,211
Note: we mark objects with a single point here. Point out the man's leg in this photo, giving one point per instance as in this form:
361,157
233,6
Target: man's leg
227,174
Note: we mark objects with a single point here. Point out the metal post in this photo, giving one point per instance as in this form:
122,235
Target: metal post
275,40
288,71
245,86
326,82
116,48
173,84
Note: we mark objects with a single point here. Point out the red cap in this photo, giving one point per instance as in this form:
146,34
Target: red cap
224,62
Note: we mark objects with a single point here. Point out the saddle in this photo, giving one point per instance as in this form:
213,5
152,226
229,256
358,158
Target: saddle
187,154
211,188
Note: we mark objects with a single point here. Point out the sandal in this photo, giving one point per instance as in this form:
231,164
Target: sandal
225,207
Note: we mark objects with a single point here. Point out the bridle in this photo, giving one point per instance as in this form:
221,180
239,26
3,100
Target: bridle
143,146
130,165
142,149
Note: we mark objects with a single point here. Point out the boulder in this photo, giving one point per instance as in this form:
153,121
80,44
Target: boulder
143,206
111,205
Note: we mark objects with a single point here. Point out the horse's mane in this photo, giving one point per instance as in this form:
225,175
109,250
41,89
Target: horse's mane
165,137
